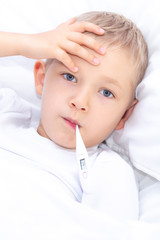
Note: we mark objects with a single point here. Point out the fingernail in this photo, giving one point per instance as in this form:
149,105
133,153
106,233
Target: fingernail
101,30
102,49
95,61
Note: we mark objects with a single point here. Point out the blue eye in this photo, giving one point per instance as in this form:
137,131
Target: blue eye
106,93
69,77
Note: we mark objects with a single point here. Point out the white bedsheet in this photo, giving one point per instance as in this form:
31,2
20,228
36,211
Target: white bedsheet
150,201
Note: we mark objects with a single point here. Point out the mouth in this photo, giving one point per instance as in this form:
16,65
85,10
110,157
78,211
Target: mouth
72,123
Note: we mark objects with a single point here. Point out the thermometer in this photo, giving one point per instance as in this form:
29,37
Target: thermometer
82,156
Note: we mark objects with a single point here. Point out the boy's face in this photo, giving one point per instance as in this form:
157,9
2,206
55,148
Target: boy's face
97,98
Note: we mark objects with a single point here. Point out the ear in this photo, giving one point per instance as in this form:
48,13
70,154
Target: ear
126,115
39,75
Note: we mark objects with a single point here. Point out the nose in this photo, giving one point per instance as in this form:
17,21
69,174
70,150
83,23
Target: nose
80,102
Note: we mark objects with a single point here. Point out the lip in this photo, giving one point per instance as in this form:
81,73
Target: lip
72,123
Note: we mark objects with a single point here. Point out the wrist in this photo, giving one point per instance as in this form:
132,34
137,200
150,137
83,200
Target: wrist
23,45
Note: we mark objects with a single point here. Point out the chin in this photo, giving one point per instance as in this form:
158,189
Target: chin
67,145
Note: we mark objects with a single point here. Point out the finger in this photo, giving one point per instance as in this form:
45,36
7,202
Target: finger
87,26
70,21
63,57
79,51
87,41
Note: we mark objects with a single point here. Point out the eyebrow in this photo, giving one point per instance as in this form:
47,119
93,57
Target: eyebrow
105,78
59,62
112,81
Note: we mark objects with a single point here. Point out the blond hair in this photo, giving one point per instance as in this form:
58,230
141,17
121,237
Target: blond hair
122,32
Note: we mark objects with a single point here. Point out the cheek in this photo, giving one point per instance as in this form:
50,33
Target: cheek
105,119
51,92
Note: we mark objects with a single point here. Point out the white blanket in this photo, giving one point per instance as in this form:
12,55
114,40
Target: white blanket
43,212
31,208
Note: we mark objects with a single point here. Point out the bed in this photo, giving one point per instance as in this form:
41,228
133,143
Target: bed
139,141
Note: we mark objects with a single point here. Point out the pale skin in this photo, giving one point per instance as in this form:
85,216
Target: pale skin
66,101
98,99
67,38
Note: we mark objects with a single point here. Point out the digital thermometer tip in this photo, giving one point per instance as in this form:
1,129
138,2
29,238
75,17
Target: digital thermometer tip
82,155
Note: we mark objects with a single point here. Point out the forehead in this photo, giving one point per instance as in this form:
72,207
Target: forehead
115,66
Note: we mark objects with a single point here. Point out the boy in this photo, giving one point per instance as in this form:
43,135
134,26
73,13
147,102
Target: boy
98,99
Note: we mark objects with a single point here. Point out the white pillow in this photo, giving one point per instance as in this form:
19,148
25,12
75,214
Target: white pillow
140,139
